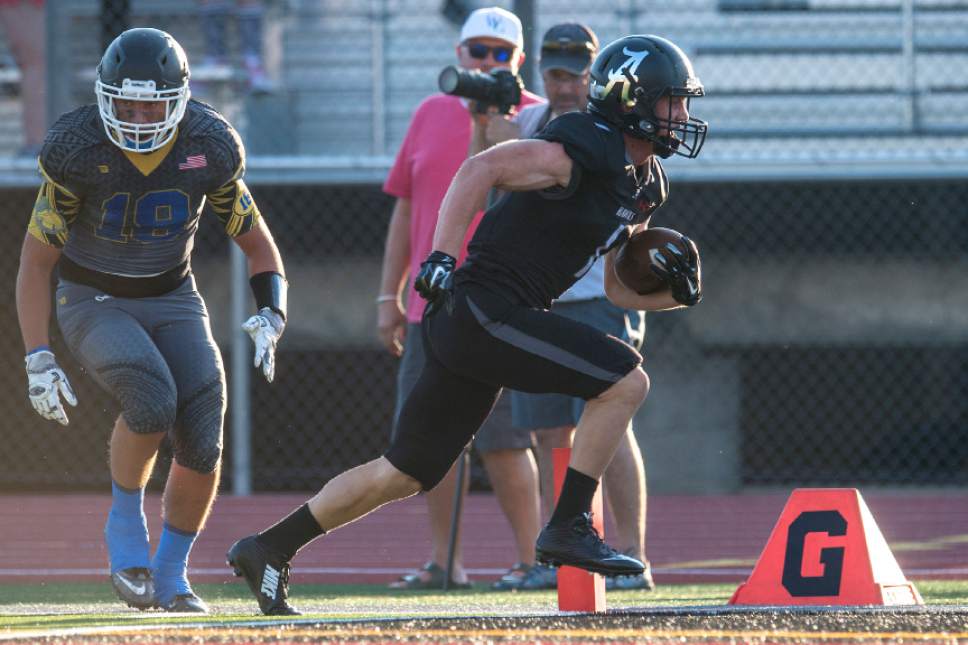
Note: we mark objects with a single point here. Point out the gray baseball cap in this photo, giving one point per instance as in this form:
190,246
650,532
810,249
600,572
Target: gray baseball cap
569,46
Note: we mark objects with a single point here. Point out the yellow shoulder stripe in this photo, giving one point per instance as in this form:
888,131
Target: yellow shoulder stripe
50,181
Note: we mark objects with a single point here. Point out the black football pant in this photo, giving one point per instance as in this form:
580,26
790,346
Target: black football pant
485,343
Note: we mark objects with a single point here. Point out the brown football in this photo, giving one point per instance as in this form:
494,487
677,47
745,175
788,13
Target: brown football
633,263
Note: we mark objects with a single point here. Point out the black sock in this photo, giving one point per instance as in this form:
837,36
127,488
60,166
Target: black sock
292,533
576,496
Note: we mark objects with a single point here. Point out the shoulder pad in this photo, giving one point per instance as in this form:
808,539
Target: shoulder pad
222,143
73,132
201,119
594,145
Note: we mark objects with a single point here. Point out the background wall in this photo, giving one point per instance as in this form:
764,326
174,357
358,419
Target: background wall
828,205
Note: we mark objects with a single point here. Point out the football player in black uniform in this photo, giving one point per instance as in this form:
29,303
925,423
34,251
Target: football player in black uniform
576,193
123,187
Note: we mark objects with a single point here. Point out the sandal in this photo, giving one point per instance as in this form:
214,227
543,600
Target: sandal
512,579
523,577
433,580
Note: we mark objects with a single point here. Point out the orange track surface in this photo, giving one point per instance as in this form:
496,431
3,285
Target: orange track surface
690,538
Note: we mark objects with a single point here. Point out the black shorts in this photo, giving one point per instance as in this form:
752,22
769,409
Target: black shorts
485,343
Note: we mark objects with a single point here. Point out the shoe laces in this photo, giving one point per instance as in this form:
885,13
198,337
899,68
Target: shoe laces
583,524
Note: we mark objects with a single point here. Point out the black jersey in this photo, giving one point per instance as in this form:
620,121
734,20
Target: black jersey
135,214
534,245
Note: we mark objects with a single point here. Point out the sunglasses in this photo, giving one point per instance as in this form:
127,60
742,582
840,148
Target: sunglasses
568,47
480,52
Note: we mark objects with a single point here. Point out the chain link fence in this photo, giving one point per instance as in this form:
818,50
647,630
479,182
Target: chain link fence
829,207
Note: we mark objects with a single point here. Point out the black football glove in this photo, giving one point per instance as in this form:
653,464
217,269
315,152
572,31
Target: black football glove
678,266
434,280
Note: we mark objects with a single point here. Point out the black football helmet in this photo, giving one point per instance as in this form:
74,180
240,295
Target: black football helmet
629,77
142,64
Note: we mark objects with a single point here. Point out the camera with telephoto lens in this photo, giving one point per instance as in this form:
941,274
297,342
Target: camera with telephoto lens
500,88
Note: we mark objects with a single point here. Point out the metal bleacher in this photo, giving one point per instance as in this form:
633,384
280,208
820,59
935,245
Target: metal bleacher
838,70
10,107
798,82
788,81
823,78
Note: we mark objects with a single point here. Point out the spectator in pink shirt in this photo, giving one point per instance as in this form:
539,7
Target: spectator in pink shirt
436,144
23,26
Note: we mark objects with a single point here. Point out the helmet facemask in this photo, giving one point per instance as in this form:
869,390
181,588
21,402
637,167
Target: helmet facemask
140,137
670,136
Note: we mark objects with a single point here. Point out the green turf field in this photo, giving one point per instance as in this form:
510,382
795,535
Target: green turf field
68,605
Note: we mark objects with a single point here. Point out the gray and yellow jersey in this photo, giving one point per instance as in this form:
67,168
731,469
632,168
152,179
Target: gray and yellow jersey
135,214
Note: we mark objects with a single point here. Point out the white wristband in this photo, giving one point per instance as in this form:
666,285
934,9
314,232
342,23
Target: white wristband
387,297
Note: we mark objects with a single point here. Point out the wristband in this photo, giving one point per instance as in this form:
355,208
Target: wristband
387,297
439,257
270,290
38,349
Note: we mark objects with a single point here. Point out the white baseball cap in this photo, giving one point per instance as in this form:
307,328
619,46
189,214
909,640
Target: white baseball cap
493,22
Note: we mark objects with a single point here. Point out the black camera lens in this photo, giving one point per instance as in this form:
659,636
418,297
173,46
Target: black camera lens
448,80
500,88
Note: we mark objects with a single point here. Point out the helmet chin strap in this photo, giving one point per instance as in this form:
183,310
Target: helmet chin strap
634,125
135,145
662,146
666,146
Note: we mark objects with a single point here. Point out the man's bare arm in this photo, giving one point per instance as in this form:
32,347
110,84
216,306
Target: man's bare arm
513,166
621,296
37,261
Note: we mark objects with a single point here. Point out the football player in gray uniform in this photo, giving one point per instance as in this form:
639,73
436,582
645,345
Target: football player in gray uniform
124,183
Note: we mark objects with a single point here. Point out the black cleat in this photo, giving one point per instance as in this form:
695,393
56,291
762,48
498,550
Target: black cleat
134,587
266,573
577,544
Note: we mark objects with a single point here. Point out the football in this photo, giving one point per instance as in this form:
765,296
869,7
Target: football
633,262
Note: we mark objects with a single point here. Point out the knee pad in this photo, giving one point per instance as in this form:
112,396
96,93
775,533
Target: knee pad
197,442
147,396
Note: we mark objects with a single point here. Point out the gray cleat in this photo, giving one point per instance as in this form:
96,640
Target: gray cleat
134,587
186,603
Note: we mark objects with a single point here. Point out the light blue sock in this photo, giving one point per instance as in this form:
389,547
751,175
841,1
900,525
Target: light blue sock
126,531
169,567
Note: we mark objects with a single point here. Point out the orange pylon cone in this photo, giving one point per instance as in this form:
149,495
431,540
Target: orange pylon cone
826,549
579,590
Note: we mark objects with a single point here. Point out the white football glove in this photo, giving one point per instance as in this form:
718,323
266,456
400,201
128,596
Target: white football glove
265,329
46,382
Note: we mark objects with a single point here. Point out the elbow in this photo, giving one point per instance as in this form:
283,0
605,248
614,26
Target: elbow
479,170
623,301
472,166
613,293
616,292
619,296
